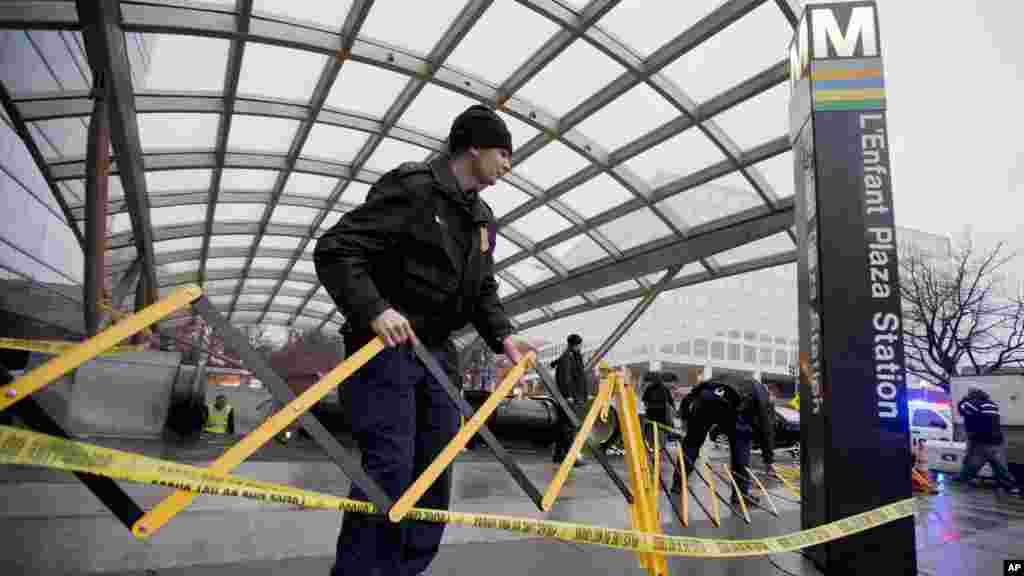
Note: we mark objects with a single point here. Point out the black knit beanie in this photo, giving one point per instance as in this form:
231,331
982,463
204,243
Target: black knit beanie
480,127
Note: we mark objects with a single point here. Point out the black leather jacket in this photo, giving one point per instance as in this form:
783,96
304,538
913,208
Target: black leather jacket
981,418
415,245
570,375
748,397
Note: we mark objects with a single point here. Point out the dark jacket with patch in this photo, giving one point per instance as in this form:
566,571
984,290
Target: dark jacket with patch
981,418
415,246
747,397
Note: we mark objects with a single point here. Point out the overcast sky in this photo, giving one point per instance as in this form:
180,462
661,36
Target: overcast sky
955,87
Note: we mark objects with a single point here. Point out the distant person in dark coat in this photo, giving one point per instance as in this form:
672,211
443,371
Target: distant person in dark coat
984,439
570,375
657,402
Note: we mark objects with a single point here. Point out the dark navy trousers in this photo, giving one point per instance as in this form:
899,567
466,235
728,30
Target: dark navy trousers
401,419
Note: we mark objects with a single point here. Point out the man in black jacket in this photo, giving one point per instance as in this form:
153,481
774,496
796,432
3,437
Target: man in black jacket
572,383
739,406
414,262
984,439
657,402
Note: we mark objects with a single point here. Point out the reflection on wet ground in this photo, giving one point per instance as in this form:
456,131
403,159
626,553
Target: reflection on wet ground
961,530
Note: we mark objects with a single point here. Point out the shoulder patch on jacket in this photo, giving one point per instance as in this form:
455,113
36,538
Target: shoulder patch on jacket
406,175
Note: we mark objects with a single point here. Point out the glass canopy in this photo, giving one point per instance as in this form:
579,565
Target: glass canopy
639,128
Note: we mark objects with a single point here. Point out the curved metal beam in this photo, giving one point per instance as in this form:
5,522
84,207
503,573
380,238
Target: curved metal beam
108,57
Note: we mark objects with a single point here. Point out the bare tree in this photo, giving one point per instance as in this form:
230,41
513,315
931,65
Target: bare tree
956,312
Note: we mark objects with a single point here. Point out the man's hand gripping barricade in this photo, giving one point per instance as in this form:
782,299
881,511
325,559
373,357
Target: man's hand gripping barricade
90,463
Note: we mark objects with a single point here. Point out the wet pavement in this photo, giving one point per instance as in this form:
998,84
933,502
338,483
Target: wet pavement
962,530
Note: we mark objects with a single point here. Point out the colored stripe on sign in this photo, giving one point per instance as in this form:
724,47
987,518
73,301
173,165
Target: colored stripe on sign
840,105
848,84
845,73
833,95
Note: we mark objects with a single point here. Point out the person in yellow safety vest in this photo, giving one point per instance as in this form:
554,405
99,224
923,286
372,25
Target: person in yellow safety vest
220,417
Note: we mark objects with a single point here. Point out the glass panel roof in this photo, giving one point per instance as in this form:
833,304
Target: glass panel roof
779,172
67,136
634,229
119,223
518,30
239,212
503,198
169,55
645,108
173,132
577,251
177,181
726,195
231,241
333,143
261,133
530,271
728,58
355,193
270,263
221,302
276,318
287,301
179,267
234,179
183,77
676,157
521,131
393,152
174,215
294,215
306,323
224,263
253,299
567,303
597,195
503,248
292,285
434,109
431,18
179,245
222,285
349,93
758,120
759,249
318,307
329,15
552,164
312,185
558,96
646,35
22,68
304,267
259,284
540,224
285,73
283,242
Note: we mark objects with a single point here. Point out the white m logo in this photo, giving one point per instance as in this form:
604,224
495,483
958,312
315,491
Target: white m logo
861,26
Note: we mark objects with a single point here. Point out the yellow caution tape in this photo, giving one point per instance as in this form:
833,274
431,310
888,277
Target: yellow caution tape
57,346
24,447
